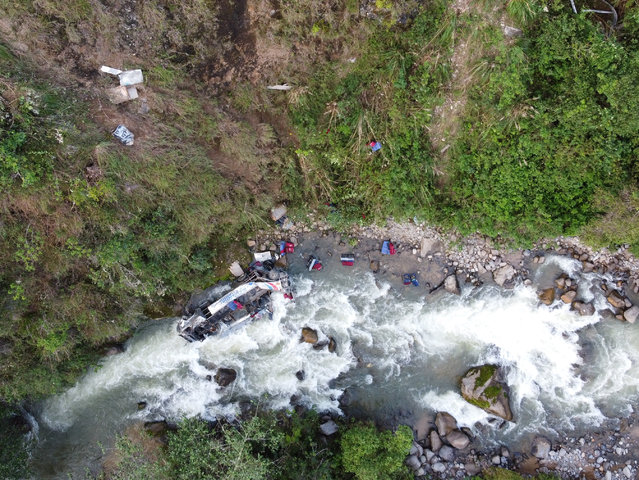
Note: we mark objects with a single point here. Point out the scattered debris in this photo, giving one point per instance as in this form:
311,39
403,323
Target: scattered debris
388,248
348,259
236,269
262,256
128,81
411,278
284,86
124,135
313,263
375,145
278,214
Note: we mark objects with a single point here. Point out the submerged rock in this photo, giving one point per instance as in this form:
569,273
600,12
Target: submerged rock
309,335
583,309
301,375
141,405
225,376
332,344
482,387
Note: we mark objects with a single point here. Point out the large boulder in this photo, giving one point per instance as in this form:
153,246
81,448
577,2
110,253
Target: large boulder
503,276
547,296
482,387
631,314
458,439
445,423
309,335
540,447
451,284
225,376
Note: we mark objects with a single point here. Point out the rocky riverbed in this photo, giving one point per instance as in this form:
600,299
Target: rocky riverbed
446,262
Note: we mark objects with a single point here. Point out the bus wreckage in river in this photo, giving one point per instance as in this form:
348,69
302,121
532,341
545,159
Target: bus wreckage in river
249,300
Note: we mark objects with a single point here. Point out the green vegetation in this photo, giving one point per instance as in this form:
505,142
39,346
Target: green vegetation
374,455
503,474
270,445
493,391
486,372
512,137
14,453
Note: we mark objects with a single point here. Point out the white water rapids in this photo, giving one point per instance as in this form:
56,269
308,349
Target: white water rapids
397,350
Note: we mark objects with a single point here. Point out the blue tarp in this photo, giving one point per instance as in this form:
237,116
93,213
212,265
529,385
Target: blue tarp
386,248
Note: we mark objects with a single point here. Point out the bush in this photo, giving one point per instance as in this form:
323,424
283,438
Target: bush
374,455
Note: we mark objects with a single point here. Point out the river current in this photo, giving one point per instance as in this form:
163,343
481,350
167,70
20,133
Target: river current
400,354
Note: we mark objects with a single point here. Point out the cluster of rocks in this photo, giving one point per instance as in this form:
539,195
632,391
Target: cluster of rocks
309,335
566,290
447,452
436,454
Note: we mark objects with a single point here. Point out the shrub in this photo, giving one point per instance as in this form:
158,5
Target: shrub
374,455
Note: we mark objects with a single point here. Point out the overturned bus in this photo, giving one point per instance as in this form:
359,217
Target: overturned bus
248,301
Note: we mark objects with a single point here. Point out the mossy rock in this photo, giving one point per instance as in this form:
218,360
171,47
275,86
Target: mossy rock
481,386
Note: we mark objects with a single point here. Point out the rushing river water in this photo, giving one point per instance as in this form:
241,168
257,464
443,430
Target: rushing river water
397,351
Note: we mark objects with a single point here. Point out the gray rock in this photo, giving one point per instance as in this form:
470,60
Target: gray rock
429,245
496,460
472,468
540,447
451,284
512,32
457,439
445,423
429,455
413,462
420,472
584,309
435,441
447,453
504,275
329,428
439,467
631,314
627,471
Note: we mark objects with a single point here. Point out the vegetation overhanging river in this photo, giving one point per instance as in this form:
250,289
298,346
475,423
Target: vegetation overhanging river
399,354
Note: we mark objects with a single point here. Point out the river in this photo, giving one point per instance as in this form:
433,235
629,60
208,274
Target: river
400,353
